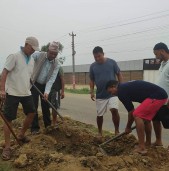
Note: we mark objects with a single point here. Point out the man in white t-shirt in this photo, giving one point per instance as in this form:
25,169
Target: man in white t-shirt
15,89
161,52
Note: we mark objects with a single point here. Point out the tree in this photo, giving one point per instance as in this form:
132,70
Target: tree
45,47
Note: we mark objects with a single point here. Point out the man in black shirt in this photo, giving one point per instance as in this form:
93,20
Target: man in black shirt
151,97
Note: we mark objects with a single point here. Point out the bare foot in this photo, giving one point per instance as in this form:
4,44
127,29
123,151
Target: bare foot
141,151
117,133
99,138
147,144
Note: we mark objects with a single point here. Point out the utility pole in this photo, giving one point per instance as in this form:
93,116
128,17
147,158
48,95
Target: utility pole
73,59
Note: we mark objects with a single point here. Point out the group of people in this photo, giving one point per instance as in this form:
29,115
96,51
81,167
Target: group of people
43,70
103,74
21,70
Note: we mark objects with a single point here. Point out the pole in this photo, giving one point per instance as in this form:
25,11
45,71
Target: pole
73,60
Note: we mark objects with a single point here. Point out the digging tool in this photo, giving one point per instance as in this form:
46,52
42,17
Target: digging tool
50,104
112,139
6,122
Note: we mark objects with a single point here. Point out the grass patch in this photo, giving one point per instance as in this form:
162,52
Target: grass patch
78,91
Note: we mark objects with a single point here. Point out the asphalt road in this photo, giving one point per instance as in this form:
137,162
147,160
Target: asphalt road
82,108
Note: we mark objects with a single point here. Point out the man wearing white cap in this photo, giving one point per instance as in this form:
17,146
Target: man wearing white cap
15,89
45,71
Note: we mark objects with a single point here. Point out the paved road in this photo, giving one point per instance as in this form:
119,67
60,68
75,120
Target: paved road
82,108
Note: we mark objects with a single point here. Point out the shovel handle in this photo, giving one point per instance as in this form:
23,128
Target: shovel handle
9,127
116,137
50,104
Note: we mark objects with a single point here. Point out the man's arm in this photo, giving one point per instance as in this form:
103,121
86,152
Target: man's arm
124,98
36,55
63,87
130,121
119,77
3,81
50,82
92,90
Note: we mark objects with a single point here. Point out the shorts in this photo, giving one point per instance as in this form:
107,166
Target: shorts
11,106
54,98
148,108
103,104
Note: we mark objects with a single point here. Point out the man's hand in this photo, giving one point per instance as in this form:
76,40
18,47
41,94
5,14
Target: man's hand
46,96
62,95
128,130
2,95
92,96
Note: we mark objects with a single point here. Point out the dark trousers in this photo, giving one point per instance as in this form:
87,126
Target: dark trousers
44,105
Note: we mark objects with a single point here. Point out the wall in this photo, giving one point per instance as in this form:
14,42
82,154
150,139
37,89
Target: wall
150,75
82,78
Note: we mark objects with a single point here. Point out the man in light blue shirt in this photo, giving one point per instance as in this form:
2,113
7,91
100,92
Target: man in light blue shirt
45,71
161,52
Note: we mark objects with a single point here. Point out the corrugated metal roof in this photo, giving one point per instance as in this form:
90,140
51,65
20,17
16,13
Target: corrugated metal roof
124,66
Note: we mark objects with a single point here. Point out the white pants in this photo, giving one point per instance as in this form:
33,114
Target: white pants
103,104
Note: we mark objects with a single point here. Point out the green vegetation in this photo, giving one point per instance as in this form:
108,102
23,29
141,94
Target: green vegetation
78,91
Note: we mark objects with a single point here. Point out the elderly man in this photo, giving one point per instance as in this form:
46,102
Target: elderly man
15,89
45,71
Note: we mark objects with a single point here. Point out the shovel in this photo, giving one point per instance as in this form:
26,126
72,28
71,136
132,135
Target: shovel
50,104
112,139
6,122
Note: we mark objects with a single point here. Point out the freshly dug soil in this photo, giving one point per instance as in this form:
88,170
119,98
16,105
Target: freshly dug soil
75,147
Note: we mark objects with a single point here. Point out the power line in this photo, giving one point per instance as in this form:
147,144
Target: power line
129,23
86,47
128,34
122,51
116,24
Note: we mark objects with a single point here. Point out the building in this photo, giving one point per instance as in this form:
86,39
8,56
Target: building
143,69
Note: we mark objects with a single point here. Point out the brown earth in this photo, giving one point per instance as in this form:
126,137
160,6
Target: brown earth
74,147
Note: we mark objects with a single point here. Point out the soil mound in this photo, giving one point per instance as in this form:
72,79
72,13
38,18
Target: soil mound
75,147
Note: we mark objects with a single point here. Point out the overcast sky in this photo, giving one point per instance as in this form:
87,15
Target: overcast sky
126,29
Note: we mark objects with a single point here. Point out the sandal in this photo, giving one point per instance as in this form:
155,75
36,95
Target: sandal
24,140
142,152
6,154
156,145
56,126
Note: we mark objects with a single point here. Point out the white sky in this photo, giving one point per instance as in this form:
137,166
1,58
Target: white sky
126,29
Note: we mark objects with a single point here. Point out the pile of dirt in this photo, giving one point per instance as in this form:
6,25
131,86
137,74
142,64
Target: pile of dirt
74,147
